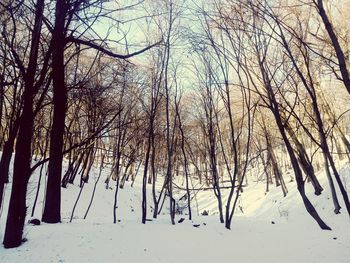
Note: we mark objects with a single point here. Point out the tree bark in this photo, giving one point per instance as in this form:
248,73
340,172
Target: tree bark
337,48
21,173
52,210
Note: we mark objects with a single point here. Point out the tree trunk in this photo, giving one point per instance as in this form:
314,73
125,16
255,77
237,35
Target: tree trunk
21,173
337,48
298,176
7,153
52,210
274,107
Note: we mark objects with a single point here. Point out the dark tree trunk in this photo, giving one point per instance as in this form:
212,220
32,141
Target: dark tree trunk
76,168
310,88
6,157
37,190
328,157
274,165
95,185
1,106
337,48
266,172
304,160
185,164
4,168
154,177
76,201
274,107
70,170
144,179
52,210
216,184
310,172
17,207
21,173
298,174
331,185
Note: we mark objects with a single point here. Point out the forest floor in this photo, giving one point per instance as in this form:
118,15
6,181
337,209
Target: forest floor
267,228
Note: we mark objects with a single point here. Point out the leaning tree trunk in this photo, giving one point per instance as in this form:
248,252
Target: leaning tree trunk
275,109
275,167
328,156
21,173
304,160
298,174
337,48
299,177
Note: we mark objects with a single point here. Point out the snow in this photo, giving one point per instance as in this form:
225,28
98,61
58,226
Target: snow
270,229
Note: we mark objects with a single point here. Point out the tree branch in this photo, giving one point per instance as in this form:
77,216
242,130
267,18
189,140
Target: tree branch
106,51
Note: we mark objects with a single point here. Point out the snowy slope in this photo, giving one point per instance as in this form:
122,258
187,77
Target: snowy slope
294,237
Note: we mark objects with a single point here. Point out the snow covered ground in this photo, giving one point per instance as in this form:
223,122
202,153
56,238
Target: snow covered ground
270,229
